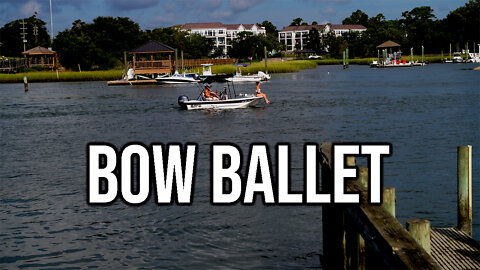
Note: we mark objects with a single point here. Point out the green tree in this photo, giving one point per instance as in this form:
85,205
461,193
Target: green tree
296,22
194,46
12,42
249,45
462,25
313,40
99,45
357,17
269,28
418,26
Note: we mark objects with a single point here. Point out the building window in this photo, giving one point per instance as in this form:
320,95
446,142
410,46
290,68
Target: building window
220,32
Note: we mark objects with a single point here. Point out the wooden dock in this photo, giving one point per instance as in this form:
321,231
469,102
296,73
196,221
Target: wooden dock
454,249
364,236
133,82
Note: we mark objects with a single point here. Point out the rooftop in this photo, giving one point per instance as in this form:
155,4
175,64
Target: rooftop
152,46
39,50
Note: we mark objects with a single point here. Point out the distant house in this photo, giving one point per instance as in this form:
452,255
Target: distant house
222,34
295,37
40,57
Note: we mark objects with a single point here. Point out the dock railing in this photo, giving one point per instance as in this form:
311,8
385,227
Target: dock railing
357,236
364,236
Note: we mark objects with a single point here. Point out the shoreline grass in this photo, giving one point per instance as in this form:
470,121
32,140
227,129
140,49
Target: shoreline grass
273,67
66,76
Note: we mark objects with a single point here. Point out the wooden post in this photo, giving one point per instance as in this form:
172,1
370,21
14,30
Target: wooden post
181,54
420,230
411,55
422,54
354,243
362,264
464,178
124,59
450,51
389,200
346,57
266,55
25,82
176,60
332,216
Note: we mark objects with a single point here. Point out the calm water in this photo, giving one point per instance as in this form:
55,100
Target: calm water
45,220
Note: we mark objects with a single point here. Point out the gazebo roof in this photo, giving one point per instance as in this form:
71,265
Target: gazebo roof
38,50
153,46
388,44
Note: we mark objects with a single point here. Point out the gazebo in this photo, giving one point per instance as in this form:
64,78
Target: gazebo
148,59
40,57
388,44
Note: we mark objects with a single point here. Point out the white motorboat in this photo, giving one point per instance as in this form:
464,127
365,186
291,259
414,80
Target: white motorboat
226,99
234,103
179,78
457,58
238,77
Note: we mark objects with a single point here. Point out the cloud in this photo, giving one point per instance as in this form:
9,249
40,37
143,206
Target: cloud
29,8
328,11
221,14
243,5
126,5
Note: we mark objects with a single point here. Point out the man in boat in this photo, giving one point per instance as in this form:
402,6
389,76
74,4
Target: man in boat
209,94
260,94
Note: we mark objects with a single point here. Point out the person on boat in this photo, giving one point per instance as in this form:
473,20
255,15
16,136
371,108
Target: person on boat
260,94
209,94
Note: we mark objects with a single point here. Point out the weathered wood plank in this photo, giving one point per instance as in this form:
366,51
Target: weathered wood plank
454,249
379,228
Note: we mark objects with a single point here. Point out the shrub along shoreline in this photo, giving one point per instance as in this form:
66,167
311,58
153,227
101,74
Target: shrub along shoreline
273,67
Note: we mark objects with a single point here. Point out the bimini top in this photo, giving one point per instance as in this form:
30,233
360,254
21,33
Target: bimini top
153,46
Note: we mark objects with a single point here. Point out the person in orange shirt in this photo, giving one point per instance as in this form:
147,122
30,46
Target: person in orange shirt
260,94
210,94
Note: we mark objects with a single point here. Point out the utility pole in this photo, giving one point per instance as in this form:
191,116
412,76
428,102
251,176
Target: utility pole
24,35
35,33
51,25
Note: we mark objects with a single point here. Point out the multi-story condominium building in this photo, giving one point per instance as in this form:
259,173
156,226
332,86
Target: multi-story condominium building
295,37
222,34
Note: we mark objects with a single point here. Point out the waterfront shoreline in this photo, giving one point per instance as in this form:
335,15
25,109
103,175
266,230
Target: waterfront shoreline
272,67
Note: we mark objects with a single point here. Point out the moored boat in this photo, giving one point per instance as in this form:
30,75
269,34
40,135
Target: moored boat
179,78
239,77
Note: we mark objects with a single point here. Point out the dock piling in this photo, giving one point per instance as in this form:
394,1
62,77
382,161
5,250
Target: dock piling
420,230
464,178
266,55
389,200
25,82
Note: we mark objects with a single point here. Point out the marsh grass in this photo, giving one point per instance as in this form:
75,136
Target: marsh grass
273,67
67,76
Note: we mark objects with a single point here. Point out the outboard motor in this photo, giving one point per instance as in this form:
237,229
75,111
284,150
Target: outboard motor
182,99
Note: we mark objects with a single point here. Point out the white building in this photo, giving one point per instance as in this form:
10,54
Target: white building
222,34
292,36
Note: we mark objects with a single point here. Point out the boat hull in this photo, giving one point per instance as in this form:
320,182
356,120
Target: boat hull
170,80
235,103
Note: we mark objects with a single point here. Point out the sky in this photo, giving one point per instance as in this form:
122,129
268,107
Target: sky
151,14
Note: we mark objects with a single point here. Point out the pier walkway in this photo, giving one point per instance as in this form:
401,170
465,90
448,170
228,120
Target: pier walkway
454,249
366,236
